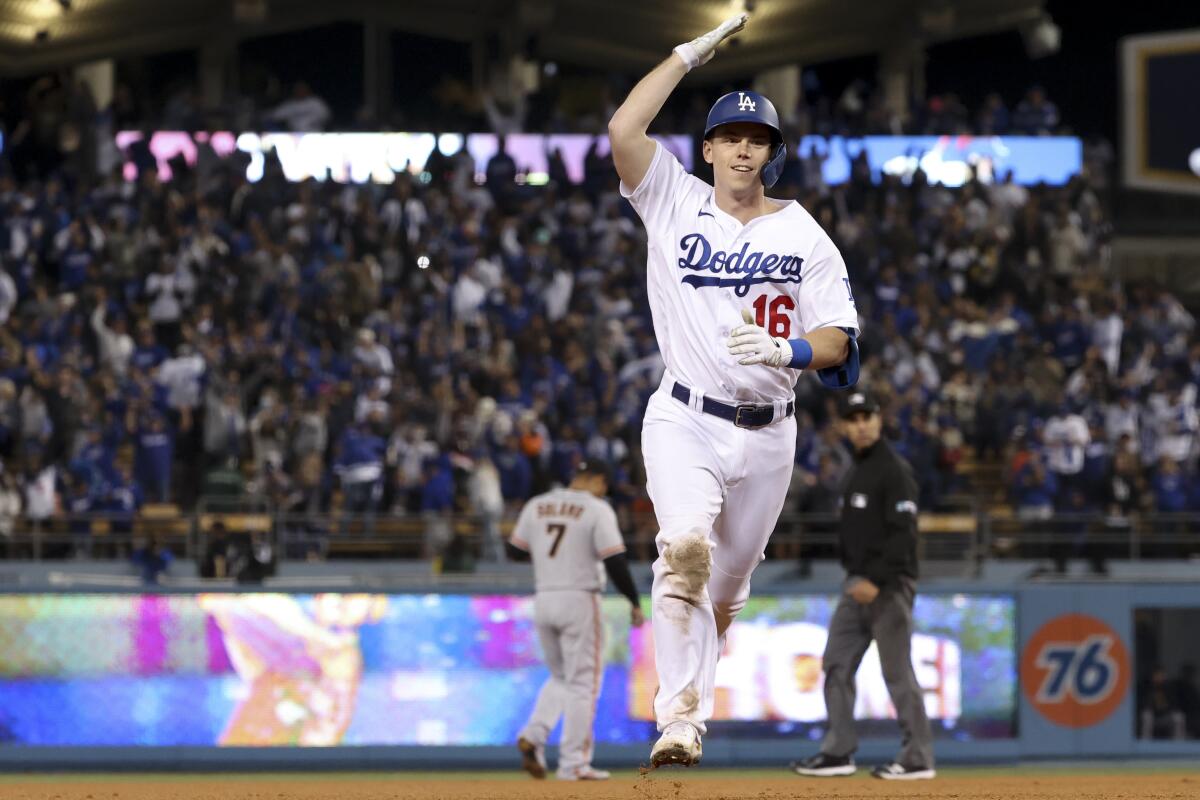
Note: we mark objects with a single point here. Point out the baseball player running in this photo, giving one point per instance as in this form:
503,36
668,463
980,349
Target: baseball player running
572,538
745,292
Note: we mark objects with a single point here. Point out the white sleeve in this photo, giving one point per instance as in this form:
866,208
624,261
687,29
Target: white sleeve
607,535
520,534
661,189
825,298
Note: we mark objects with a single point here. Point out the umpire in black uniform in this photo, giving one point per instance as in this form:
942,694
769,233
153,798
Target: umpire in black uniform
878,539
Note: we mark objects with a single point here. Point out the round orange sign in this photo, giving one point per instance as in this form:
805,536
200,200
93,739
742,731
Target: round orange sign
1075,670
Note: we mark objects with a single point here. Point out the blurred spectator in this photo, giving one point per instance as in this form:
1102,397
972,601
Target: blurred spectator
1067,244
505,110
516,475
251,557
359,464
1036,115
1123,418
115,343
1107,332
1066,438
152,559
124,499
1035,489
154,459
1176,424
41,490
501,172
1171,491
182,111
437,501
304,111
78,502
268,434
1188,692
1159,713
169,293
217,556
408,450
992,119
10,510
8,296
224,424
373,357
487,503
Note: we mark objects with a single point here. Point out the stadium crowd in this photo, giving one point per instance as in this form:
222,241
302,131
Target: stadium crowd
212,337
54,112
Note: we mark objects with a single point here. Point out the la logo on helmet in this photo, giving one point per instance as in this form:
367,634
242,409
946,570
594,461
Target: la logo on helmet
744,102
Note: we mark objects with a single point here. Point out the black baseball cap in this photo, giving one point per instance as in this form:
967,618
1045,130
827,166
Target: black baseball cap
596,468
859,403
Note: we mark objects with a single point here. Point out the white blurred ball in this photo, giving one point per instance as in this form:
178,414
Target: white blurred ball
1194,161
423,262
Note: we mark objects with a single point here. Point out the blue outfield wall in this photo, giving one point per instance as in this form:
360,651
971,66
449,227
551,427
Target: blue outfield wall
441,677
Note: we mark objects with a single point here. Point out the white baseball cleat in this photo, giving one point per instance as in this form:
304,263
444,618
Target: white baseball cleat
533,757
679,744
899,772
584,773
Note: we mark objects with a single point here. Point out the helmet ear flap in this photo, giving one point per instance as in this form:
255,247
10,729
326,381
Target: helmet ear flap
774,168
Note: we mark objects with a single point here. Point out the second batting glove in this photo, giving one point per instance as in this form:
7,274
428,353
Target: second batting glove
756,346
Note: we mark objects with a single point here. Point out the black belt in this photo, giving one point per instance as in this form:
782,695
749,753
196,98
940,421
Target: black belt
744,416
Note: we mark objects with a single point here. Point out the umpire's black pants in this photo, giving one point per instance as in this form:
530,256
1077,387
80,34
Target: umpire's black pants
887,620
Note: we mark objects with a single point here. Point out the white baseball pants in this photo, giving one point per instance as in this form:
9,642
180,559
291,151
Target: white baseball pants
705,474
571,631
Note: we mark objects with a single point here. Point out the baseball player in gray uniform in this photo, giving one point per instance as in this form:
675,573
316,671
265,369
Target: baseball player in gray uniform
572,538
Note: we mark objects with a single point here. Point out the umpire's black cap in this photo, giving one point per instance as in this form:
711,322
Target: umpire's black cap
859,403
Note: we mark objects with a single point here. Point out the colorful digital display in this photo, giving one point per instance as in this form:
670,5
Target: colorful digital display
379,157
375,157
951,160
332,669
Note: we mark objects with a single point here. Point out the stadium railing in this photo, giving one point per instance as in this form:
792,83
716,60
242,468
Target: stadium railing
968,537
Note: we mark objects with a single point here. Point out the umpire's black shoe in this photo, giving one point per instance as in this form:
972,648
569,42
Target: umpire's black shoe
899,772
823,765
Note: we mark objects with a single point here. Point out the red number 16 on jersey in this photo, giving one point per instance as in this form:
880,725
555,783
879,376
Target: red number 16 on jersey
780,323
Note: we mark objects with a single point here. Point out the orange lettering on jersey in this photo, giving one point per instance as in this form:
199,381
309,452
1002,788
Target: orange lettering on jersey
569,510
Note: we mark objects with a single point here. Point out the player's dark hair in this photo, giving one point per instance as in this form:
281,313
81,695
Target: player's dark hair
594,469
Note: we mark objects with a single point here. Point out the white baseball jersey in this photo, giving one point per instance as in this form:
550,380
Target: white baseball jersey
568,533
705,267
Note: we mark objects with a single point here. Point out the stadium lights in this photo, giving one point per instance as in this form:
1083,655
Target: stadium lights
39,12
1042,37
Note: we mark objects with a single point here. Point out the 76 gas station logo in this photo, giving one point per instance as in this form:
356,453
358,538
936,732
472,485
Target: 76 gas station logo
1083,670
1075,670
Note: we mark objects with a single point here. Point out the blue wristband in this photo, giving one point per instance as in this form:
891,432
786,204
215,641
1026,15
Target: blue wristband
801,353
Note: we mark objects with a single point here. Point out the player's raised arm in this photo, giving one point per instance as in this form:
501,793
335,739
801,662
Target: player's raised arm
632,149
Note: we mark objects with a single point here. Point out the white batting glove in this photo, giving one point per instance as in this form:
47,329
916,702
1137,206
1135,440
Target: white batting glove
757,346
700,50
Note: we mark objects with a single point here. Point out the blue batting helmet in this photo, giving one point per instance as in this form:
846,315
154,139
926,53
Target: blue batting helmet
751,107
